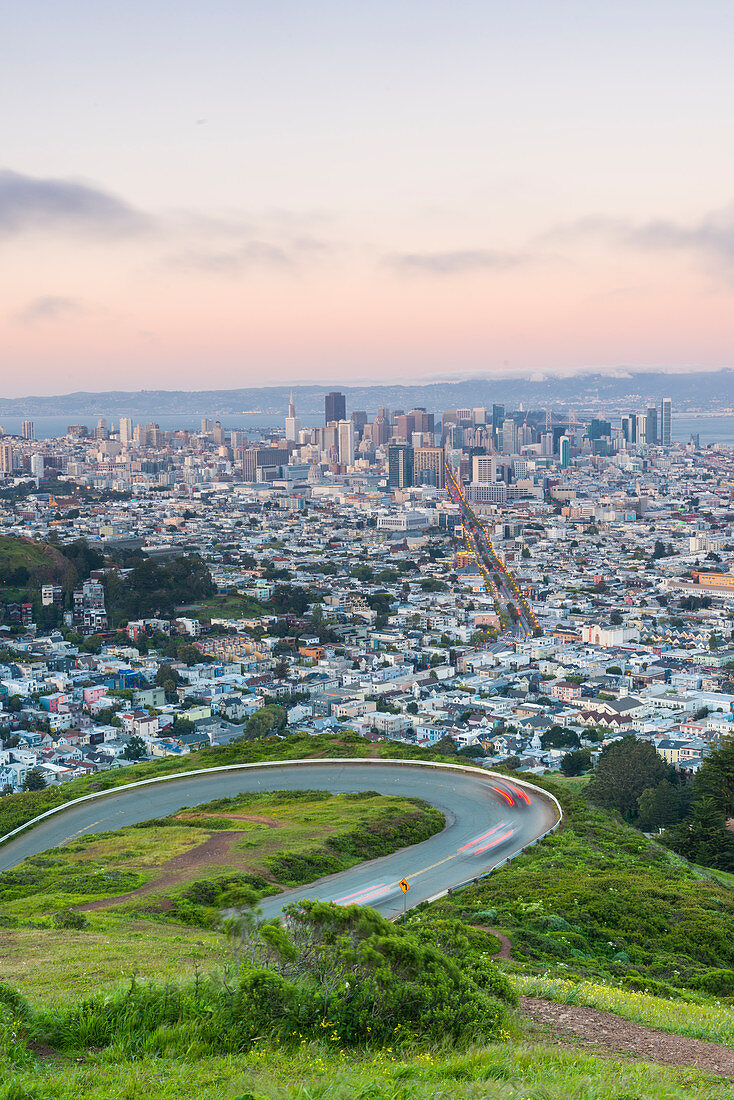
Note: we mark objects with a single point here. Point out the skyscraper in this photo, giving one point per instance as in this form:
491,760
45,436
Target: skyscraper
498,415
400,465
565,451
508,434
651,434
126,430
28,429
335,407
666,418
292,423
428,466
346,443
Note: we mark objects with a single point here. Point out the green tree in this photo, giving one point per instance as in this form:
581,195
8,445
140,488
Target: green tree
625,769
34,780
660,807
575,763
136,749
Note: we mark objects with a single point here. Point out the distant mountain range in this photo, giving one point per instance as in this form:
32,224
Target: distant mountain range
699,391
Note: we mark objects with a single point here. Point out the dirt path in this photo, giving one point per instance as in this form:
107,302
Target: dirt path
607,1035
215,850
505,951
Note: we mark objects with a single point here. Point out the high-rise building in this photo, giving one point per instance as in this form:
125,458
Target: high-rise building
565,451
335,407
651,432
292,423
498,415
346,442
400,464
484,469
126,430
218,433
100,432
641,429
666,421
359,419
479,417
380,429
7,458
37,468
28,430
508,436
207,426
428,466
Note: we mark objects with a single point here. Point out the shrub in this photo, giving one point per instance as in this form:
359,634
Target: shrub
70,919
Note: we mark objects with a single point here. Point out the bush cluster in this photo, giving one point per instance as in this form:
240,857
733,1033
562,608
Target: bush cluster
342,975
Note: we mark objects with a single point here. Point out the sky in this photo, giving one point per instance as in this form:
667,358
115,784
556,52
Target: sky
250,192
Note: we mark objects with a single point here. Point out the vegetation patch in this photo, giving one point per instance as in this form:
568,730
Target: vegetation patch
598,900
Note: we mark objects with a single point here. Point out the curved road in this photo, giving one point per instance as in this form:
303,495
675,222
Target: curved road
488,819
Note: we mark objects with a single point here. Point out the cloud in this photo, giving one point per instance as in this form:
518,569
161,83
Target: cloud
458,262
48,308
29,203
712,237
253,254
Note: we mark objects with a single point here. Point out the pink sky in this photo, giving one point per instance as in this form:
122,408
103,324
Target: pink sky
283,192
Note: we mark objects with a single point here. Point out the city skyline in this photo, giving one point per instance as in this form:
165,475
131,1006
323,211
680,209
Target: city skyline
386,194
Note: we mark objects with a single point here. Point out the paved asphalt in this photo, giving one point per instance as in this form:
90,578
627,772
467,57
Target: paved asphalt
477,817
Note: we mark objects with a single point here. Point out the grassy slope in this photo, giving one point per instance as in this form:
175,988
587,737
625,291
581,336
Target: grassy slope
598,900
504,1071
15,809
295,834
43,562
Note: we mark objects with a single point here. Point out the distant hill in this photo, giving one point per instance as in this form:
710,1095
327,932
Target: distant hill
612,391
45,564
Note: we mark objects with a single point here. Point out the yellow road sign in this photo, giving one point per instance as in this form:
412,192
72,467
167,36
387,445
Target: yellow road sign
404,885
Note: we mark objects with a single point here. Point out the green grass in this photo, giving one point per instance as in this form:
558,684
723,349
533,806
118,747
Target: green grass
599,901
714,1022
503,1071
290,837
231,607
15,809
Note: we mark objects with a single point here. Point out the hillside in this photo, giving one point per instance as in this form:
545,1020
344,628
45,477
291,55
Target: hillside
595,915
45,564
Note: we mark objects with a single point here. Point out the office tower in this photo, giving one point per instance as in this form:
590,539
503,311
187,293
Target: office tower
565,451
422,421
546,443
237,439
641,429
346,443
666,417
464,416
152,435
479,417
207,426
263,463
28,430
7,458
37,465
428,466
455,437
380,429
651,428
292,423
126,430
599,429
484,469
508,433
498,415
335,407
218,433
629,428
100,432
359,419
400,460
